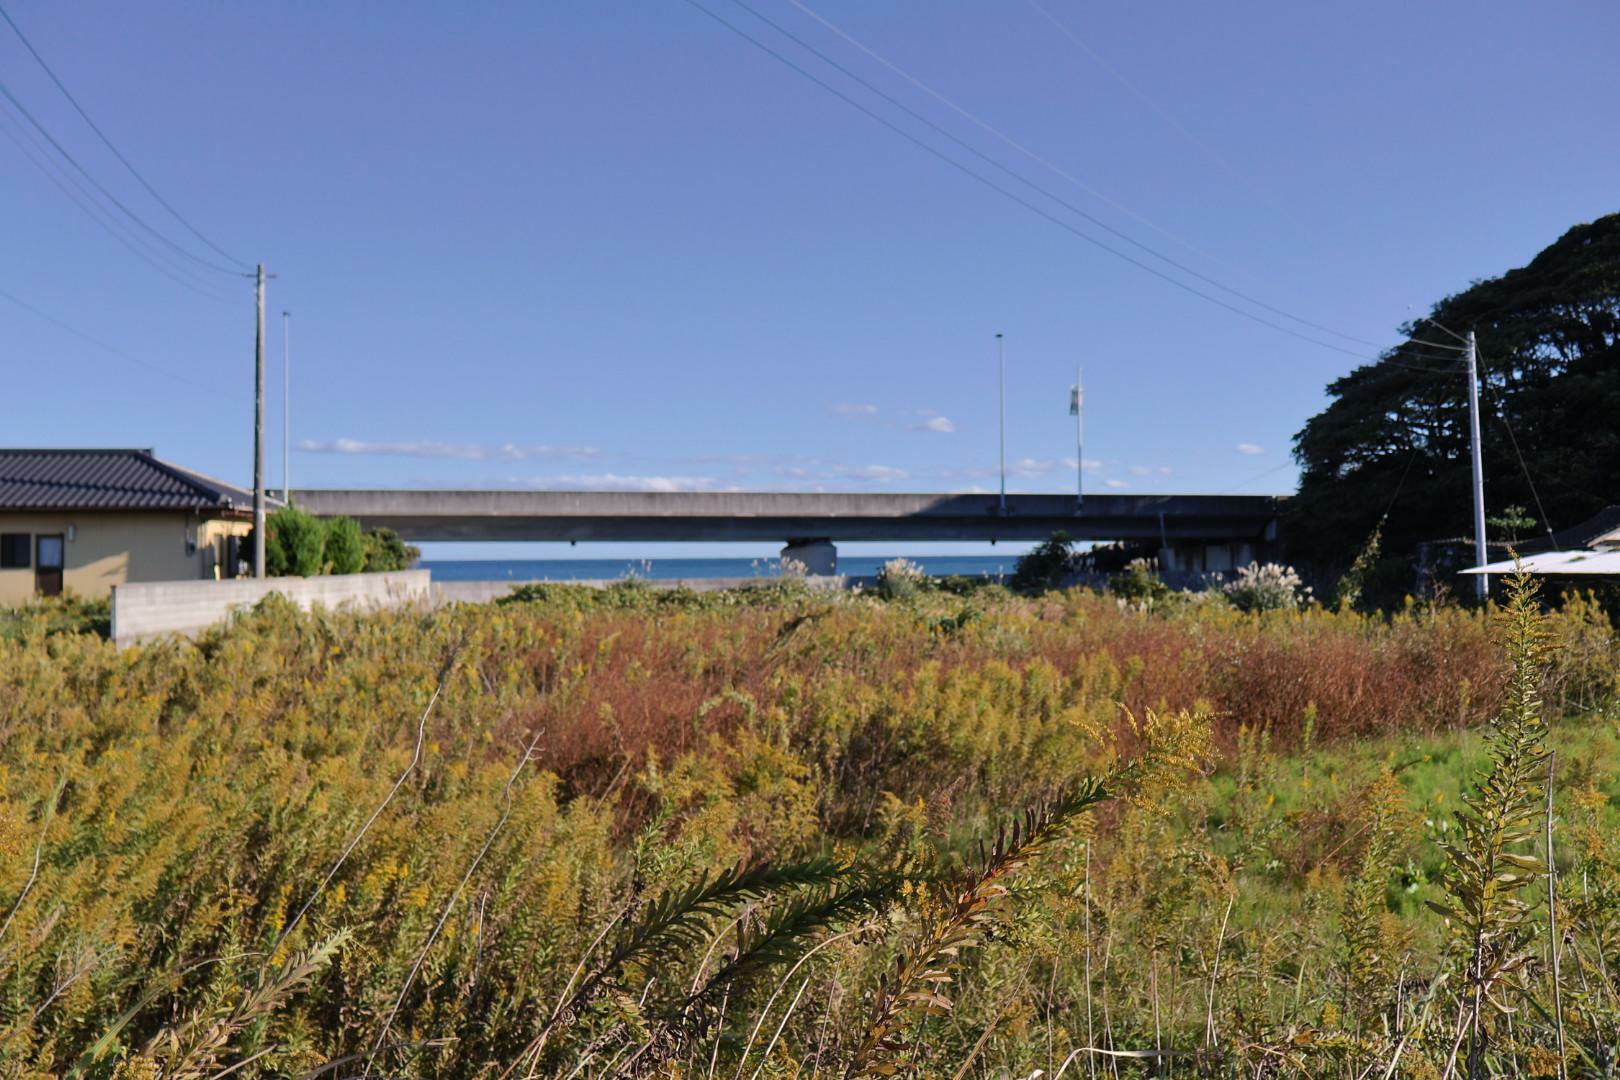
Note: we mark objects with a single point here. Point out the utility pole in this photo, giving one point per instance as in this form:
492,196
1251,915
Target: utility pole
1077,408
258,427
1001,363
286,408
1482,581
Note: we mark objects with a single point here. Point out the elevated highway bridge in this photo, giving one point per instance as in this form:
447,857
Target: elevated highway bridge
1192,532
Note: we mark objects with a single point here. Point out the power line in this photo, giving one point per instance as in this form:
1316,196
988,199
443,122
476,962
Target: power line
1010,195
85,200
112,349
1165,114
1099,223
136,218
991,129
1546,522
150,190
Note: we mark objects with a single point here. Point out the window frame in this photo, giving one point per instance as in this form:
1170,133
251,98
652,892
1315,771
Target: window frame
15,546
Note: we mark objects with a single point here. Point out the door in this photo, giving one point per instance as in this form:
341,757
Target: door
48,551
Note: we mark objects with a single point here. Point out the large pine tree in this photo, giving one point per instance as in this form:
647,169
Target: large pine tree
1549,341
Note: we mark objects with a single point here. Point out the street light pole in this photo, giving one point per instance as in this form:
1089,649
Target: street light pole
286,408
1001,363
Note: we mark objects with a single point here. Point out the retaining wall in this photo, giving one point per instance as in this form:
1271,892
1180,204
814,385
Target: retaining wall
151,609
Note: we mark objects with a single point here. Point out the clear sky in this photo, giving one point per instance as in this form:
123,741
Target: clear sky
616,245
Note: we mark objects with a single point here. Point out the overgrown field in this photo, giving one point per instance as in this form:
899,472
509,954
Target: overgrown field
775,834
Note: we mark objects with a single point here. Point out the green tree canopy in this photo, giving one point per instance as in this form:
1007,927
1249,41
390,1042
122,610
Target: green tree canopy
1549,343
345,551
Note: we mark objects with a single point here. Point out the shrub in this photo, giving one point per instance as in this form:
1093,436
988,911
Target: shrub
1046,566
899,579
1140,582
345,549
295,544
1272,587
385,551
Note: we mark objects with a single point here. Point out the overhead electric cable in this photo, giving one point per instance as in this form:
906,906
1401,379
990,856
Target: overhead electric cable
1163,112
150,190
114,350
1501,415
85,200
998,133
136,218
1013,196
1072,208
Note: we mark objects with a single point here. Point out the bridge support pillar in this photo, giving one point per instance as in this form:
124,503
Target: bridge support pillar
818,557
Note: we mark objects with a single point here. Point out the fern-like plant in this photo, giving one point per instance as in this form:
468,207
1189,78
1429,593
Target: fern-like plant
960,920
1493,860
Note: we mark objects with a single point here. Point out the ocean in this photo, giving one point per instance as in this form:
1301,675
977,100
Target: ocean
992,566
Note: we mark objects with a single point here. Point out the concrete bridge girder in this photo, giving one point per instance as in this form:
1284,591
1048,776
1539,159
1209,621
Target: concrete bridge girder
811,524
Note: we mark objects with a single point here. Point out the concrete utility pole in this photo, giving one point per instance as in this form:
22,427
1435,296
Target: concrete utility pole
258,427
1001,362
286,408
1483,585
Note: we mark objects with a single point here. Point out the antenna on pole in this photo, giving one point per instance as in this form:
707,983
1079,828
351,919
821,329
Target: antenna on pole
286,408
1001,363
1481,556
1077,409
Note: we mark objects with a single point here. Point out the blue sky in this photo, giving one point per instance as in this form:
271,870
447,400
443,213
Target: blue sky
616,245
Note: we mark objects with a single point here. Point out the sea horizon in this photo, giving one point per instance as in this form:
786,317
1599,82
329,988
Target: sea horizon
994,567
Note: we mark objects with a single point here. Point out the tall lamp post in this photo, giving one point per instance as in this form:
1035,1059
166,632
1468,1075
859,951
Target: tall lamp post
1001,364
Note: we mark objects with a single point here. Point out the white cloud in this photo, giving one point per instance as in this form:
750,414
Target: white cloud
618,482
845,408
428,448
1249,448
941,424
1116,484
1091,464
1032,466
1141,470
882,474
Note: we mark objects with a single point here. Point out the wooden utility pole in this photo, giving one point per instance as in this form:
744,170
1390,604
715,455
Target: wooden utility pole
258,428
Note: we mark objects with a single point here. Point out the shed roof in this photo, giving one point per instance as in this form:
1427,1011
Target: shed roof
1559,564
110,480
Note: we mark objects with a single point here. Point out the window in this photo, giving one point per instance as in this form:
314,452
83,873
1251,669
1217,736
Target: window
14,551
48,552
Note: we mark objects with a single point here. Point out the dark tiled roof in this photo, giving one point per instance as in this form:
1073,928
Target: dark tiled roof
109,480
1587,532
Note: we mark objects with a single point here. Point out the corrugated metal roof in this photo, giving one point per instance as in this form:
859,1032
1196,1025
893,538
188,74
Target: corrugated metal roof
1560,564
108,480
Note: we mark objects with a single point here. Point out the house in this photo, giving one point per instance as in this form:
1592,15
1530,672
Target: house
86,520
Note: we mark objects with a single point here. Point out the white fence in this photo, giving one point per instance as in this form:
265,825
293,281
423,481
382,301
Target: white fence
151,609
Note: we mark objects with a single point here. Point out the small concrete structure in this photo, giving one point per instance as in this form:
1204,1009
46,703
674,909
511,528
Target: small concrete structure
818,557
157,608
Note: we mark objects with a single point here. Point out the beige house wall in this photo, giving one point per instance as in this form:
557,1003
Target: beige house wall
111,548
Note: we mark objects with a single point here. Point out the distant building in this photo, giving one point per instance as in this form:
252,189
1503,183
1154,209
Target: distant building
1588,552
86,520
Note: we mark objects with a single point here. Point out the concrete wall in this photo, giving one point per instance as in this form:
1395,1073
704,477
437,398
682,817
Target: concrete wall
110,548
152,609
